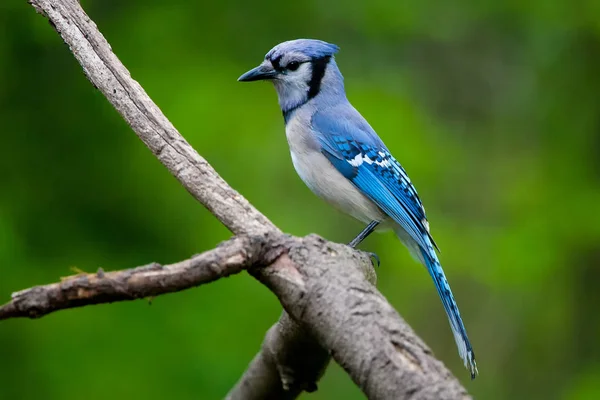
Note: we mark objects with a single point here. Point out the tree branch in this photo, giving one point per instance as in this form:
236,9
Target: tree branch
109,75
228,258
323,286
294,353
327,289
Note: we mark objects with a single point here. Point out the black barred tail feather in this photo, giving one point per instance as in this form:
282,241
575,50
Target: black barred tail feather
456,324
429,259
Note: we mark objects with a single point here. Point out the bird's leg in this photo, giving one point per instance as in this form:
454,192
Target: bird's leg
363,235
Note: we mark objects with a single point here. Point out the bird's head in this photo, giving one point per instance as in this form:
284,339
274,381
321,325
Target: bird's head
300,70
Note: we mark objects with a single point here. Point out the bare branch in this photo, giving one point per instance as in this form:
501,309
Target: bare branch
334,311
291,351
331,308
228,258
323,286
109,75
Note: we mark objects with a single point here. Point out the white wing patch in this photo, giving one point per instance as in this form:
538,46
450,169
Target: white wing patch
361,158
425,222
356,161
385,162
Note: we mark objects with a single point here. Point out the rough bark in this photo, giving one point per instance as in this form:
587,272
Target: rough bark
154,279
106,72
332,307
291,350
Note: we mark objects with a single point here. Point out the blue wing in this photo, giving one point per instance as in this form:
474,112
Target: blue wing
354,148
356,151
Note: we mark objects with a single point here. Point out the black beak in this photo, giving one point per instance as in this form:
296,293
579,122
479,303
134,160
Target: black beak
260,73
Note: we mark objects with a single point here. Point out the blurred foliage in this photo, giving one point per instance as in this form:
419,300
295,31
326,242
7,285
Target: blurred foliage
491,106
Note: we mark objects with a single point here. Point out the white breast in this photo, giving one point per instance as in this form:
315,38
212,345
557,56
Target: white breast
321,176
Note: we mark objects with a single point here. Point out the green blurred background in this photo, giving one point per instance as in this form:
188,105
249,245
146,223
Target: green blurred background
492,107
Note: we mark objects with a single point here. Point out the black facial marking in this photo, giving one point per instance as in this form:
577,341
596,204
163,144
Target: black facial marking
318,72
287,114
275,62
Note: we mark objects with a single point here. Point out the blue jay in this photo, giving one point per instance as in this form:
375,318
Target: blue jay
342,160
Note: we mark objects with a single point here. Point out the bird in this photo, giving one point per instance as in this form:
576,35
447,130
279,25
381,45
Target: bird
338,155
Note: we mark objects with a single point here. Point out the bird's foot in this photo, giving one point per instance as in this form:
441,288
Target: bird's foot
374,257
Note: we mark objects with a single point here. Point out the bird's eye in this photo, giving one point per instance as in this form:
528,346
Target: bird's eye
293,65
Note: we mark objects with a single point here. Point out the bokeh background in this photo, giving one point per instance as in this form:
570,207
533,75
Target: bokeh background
492,107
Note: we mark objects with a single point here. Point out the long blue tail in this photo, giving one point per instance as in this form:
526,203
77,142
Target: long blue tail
456,324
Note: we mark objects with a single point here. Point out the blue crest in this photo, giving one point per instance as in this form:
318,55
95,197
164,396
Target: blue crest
310,47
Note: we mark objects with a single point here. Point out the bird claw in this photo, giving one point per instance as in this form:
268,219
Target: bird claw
374,257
